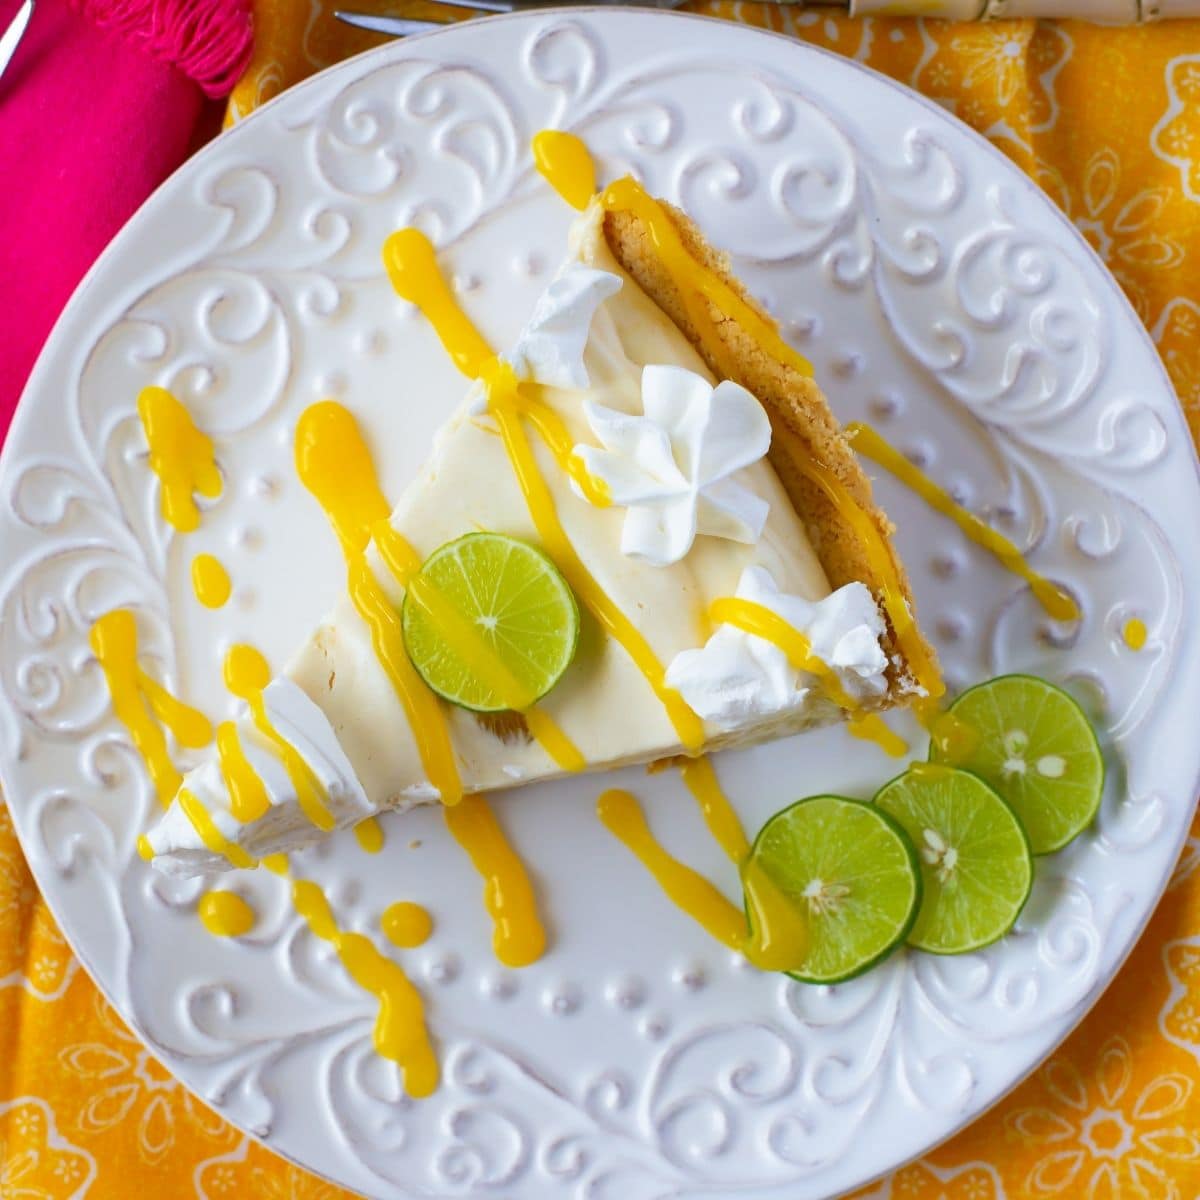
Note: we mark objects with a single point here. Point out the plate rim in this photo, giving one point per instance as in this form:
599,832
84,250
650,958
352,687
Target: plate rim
358,65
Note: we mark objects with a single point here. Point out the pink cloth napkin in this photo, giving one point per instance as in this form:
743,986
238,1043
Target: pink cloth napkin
101,101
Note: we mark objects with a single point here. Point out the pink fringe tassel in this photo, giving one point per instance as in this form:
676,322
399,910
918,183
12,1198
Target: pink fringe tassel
208,40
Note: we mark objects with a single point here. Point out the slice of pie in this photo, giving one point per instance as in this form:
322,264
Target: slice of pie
744,489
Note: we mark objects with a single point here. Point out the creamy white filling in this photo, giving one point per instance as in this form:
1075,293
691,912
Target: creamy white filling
550,351
674,467
604,705
736,677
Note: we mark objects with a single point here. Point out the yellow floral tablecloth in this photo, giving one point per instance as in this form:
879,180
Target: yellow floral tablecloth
1108,122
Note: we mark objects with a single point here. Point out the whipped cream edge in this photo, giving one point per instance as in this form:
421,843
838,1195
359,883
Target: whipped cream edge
674,467
736,677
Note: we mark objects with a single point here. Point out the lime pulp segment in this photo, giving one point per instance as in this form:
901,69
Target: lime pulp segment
976,864
489,623
1032,742
852,872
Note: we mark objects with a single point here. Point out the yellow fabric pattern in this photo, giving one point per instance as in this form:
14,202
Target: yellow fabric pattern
1108,122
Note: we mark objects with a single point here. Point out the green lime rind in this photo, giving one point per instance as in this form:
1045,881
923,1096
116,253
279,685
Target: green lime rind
975,856
518,602
855,875
1036,747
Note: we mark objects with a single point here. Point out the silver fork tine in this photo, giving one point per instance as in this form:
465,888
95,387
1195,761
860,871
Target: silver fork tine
12,35
491,6
395,26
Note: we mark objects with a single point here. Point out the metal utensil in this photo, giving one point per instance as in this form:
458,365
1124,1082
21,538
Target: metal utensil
12,35
402,26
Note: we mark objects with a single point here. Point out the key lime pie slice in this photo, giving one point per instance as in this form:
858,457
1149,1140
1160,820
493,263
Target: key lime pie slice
652,435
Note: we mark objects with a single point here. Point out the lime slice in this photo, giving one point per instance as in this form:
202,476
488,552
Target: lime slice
976,865
489,623
1033,744
854,875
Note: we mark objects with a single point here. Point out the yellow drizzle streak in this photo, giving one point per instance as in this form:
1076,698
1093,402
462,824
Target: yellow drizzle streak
138,700
225,914
210,581
209,834
719,814
246,674
414,273
690,891
518,937
1134,633
566,165
1057,602
695,281
277,864
369,834
553,431
334,463
400,1033
248,798
762,622
406,925
144,848
956,740
777,937
180,455
190,727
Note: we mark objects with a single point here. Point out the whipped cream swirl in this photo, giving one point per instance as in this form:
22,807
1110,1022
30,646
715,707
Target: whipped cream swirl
673,467
736,677
550,348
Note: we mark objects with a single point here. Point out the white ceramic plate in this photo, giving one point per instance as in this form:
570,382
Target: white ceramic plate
939,295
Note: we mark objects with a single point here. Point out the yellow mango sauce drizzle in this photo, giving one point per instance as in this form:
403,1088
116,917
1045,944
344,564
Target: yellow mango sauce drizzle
412,266
776,936
518,936
406,925
1134,633
210,835
369,835
566,165
719,815
334,463
1058,603
248,799
552,430
180,455
210,581
277,864
225,914
761,622
246,675
400,1033
144,706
